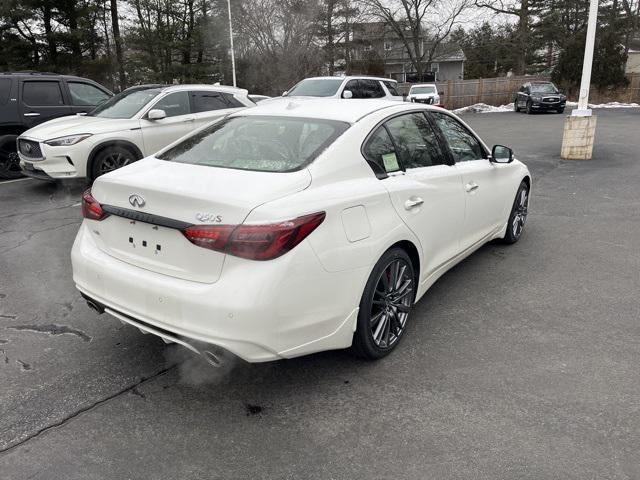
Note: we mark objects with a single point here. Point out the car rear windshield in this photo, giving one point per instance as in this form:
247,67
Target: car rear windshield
125,104
419,90
316,87
259,143
543,88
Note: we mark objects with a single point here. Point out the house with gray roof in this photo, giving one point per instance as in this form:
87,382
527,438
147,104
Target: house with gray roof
376,49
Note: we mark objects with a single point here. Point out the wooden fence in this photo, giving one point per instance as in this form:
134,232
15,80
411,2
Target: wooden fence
501,91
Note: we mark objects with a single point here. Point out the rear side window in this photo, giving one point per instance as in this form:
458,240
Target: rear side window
392,88
83,94
206,101
380,151
259,143
416,142
42,94
371,89
5,89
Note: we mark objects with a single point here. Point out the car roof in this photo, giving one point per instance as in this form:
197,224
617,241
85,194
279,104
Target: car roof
188,86
32,74
342,110
423,85
352,77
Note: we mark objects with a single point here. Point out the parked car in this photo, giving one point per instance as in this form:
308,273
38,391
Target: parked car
30,98
538,96
424,93
295,227
133,124
346,87
258,98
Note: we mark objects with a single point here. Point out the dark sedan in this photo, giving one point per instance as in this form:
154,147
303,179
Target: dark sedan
539,96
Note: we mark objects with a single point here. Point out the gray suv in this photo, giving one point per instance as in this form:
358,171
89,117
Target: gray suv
30,98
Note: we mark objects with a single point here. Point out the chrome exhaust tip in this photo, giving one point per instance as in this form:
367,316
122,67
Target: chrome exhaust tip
212,358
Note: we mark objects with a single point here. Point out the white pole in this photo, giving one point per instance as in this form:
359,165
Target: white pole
583,100
233,58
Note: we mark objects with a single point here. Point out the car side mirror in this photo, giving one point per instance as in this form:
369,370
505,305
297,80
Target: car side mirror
347,94
501,154
284,94
156,114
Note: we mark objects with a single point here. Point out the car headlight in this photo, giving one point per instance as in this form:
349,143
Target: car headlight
68,140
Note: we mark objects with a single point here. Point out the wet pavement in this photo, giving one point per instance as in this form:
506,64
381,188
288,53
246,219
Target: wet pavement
521,362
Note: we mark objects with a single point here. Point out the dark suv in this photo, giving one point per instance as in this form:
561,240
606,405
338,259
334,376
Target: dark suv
30,98
538,96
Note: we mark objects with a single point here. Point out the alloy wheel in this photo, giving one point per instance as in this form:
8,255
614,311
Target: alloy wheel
520,214
113,161
391,303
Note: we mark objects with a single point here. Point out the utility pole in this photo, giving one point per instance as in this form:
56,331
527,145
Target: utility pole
233,58
580,127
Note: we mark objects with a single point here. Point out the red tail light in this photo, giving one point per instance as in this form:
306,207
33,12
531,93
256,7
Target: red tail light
91,208
255,242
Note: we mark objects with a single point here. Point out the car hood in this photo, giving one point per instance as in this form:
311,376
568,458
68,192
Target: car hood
77,124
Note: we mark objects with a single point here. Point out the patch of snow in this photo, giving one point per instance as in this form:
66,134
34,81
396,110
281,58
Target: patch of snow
606,105
484,108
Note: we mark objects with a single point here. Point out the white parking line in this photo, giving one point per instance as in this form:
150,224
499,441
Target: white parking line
16,180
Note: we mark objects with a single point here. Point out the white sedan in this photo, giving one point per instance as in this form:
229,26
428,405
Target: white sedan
295,227
133,124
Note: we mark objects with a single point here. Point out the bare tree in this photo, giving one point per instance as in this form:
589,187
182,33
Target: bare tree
407,20
117,40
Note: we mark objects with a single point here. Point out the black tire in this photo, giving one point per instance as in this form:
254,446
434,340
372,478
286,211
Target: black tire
9,160
516,108
529,111
111,158
391,306
561,110
518,215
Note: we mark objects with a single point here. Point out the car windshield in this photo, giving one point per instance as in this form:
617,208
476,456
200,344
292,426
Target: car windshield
125,104
316,87
259,143
543,88
426,89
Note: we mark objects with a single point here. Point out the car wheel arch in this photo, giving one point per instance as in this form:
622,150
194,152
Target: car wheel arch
111,143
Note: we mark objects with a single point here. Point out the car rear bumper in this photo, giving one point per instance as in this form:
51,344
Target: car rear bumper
259,311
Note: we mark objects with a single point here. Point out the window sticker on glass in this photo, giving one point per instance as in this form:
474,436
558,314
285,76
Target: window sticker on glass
390,162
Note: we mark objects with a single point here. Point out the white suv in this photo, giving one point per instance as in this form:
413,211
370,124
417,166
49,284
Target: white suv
424,93
346,87
134,124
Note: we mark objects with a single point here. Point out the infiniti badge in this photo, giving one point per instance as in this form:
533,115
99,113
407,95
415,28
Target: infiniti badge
136,200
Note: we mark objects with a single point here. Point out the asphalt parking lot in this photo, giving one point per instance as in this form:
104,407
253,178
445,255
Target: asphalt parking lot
520,363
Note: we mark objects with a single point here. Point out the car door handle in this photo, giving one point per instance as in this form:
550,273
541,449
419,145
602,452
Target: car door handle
33,114
413,202
190,119
471,187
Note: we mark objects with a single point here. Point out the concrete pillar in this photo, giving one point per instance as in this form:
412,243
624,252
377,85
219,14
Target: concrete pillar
579,133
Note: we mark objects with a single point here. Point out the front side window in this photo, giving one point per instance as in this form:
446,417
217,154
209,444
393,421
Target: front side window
174,104
462,144
316,87
125,104
266,144
416,142
83,94
355,88
42,94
